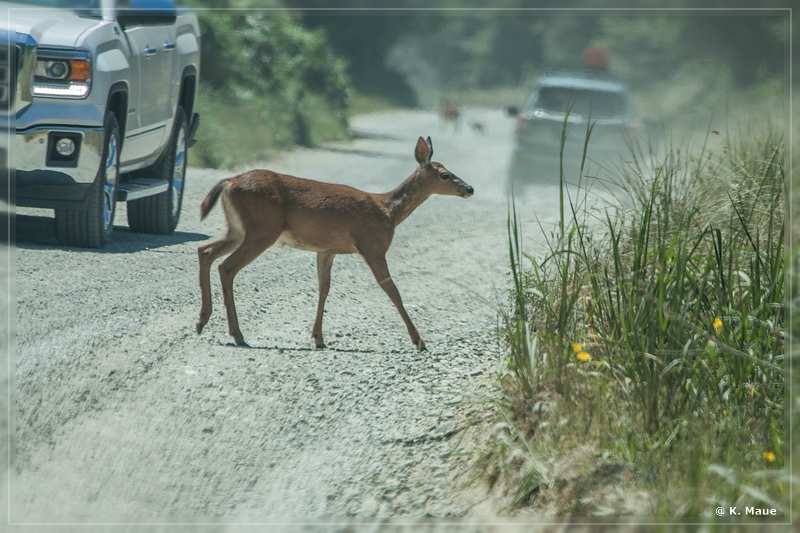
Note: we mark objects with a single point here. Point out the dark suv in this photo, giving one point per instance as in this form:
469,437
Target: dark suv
595,97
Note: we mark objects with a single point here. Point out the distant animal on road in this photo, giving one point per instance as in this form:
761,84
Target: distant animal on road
478,127
450,114
263,208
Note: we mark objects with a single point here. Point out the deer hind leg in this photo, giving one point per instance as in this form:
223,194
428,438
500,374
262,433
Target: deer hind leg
207,254
324,264
381,272
240,258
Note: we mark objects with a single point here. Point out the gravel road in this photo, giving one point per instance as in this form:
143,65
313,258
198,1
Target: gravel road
124,414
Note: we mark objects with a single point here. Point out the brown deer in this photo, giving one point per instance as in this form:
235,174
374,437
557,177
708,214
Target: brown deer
450,113
263,207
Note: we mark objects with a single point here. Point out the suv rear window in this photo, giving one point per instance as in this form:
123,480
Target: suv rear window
603,104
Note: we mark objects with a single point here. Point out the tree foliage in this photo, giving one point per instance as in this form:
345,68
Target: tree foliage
273,55
274,58
467,49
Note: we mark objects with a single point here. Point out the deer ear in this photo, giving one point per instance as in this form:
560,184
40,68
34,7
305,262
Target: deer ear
423,152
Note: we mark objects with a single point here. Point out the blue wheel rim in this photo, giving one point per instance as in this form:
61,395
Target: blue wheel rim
178,172
110,185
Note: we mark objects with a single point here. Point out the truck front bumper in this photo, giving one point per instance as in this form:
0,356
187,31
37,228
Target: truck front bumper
47,179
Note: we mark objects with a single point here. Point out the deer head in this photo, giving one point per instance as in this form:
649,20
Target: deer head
435,177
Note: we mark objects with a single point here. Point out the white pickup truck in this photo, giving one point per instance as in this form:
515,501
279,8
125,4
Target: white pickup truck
101,95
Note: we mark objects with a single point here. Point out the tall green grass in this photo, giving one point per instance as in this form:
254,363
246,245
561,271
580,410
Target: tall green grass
651,339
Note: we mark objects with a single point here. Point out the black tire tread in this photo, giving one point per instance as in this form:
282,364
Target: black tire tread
85,228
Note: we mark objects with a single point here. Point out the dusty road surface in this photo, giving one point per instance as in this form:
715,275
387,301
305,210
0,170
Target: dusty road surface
123,414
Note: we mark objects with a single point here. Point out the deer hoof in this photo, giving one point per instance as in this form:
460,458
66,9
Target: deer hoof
318,342
421,346
241,343
199,327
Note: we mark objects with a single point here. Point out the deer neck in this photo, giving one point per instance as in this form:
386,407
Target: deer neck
406,197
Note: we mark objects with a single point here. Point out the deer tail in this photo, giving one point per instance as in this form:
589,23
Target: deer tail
211,199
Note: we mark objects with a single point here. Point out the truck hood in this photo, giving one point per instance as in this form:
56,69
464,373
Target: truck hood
49,27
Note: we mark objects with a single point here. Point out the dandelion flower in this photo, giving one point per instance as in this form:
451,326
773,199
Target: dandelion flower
717,325
577,347
583,356
769,456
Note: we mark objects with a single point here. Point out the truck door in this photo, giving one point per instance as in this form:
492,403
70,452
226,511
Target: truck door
152,47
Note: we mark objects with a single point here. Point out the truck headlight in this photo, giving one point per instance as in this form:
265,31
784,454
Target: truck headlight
52,70
62,74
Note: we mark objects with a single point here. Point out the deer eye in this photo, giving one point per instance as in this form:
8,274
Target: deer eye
445,175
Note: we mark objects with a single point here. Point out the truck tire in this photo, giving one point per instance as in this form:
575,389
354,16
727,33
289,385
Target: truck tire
92,228
160,213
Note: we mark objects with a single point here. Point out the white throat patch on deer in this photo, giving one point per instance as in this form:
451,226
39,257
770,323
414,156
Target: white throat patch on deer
263,208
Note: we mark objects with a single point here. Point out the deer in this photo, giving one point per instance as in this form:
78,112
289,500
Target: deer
450,113
262,208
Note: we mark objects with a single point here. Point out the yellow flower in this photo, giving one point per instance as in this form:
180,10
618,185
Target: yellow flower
583,356
717,325
577,347
769,456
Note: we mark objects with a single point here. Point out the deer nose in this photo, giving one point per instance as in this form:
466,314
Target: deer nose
470,190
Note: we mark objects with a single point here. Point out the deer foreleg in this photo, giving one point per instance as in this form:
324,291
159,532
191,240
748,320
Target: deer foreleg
381,272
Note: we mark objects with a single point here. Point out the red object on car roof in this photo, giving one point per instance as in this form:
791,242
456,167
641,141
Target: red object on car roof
595,58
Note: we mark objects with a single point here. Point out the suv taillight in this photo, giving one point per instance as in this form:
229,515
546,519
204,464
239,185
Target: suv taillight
523,125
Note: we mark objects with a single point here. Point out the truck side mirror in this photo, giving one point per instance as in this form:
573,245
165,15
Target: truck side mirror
147,13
